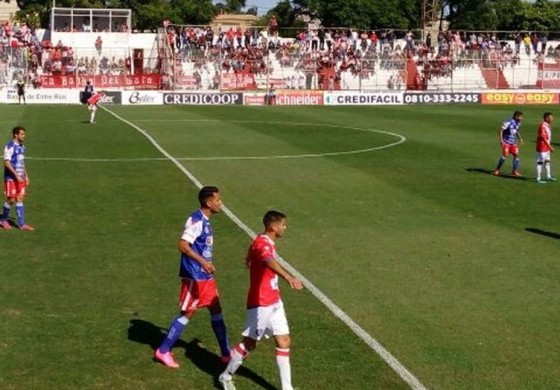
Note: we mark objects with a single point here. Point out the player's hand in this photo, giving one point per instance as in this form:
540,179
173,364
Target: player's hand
296,284
27,181
208,267
551,149
19,179
521,142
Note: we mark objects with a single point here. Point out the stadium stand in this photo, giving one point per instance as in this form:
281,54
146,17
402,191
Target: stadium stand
198,57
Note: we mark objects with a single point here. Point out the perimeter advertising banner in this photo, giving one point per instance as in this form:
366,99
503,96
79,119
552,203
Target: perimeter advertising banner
42,96
210,98
442,98
142,98
520,98
294,97
359,98
254,98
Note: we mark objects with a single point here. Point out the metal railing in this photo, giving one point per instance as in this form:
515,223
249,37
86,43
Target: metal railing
291,67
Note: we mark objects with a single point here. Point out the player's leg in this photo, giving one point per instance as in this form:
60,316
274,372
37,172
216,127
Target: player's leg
281,332
10,192
93,109
20,212
188,301
20,206
515,154
255,326
283,343
220,329
539,167
6,213
548,170
238,355
503,157
539,171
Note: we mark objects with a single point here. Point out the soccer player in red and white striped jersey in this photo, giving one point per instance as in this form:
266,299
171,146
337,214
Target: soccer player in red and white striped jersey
265,310
544,148
92,104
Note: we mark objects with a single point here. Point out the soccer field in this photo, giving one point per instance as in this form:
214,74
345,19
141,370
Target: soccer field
393,215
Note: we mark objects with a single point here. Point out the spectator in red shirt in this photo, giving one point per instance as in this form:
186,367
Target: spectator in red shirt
98,44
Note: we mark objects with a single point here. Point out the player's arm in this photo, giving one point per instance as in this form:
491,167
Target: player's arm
7,157
542,138
185,247
519,137
10,168
278,269
500,132
190,234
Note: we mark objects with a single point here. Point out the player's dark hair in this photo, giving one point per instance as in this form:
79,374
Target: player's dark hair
17,129
517,113
546,115
206,193
272,216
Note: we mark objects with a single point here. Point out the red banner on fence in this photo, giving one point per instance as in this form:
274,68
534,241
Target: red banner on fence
145,81
548,75
238,81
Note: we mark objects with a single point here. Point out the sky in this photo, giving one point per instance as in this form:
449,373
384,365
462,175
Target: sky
263,5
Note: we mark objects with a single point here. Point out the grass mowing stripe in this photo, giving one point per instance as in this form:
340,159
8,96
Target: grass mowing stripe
398,367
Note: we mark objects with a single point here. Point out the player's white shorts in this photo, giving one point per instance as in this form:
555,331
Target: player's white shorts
92,107
543,156
266,321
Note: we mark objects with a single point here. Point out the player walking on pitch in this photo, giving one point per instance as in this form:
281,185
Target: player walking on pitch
509,133
544,147
198,287
265,310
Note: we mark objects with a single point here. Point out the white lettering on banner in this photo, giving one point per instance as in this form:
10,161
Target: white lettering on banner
298,100
51,96
348,98
199,98
142,97
108,99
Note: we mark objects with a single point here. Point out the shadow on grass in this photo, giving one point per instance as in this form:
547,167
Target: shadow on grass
543,233
145,332
491,173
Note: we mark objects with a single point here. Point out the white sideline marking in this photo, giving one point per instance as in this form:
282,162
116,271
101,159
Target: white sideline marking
401,370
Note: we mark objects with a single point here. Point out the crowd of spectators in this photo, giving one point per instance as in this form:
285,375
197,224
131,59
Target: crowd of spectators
316,57
329,55
23,54
457,49
320,56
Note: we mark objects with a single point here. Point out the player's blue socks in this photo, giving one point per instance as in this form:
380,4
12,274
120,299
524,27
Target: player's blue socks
6,211
515,164
174,332
219,327
500,163
20,211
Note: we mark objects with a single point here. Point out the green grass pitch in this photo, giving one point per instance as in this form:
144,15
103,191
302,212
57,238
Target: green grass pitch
454,271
